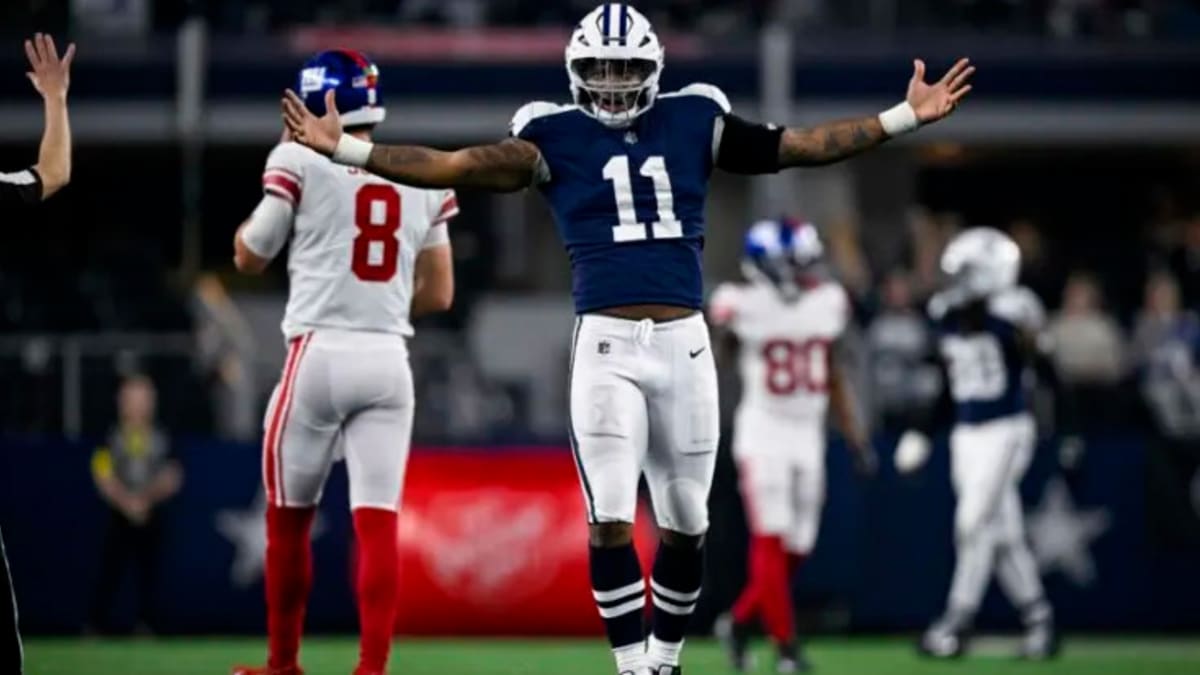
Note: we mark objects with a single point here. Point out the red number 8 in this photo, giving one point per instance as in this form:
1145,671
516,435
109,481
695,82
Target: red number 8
371,232
792,365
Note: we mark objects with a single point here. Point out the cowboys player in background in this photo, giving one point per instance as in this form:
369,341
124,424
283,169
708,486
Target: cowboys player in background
625,170
988,330
51,77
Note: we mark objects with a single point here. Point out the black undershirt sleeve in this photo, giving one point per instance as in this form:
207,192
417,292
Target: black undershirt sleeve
748,147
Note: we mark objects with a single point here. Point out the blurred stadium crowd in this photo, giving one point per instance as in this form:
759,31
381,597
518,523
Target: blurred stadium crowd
1067,19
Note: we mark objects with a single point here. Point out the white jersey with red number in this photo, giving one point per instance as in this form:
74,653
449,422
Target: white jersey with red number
354,242
784,346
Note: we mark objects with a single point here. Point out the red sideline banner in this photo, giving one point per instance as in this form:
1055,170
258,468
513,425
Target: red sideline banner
494,542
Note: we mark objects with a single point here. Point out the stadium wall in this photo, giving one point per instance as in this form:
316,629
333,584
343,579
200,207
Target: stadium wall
478,520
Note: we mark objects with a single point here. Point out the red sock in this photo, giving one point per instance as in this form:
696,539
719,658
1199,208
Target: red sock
768,592
289,578
378,558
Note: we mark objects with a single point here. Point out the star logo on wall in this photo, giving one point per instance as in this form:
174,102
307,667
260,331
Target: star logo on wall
246,529
1061,534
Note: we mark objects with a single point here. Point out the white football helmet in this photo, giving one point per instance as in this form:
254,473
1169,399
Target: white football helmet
980,262
614,60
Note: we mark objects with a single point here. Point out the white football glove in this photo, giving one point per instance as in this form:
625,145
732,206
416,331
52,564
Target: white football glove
912,451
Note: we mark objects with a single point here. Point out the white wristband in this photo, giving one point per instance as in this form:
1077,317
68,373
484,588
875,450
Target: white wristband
352,151
899,119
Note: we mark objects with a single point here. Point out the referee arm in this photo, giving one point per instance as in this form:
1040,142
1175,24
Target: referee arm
51,77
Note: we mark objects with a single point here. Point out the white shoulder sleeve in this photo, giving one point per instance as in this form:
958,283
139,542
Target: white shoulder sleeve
269,227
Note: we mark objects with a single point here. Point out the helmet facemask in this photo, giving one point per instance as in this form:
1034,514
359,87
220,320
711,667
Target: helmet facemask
614,91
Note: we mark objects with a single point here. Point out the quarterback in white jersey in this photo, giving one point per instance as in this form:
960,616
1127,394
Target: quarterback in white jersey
365,253
987,328
787,323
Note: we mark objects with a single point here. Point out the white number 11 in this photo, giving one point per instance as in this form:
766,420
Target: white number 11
655,168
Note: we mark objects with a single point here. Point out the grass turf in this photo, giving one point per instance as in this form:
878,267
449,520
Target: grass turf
335,656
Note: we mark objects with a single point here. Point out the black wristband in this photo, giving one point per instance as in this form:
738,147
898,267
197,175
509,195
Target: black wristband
747,147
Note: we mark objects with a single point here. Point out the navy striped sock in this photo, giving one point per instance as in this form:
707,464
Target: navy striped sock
620,593
678,571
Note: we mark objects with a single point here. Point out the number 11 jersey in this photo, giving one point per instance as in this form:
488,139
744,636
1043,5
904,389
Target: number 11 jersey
354,242
629,202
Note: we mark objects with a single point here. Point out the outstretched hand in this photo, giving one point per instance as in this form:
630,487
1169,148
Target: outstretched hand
934,101
50,75
319,133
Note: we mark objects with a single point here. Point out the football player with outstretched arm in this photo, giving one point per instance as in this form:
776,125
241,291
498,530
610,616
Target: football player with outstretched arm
988,334
625,170
365,255
788,322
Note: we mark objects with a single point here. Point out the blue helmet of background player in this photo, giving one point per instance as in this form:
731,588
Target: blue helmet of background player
783,252
352,76
614,60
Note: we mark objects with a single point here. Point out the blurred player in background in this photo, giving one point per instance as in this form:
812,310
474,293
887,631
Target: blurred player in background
788,323
365,255
988,335
625,170
51,77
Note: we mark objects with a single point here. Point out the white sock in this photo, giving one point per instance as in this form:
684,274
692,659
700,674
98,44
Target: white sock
630,657
661,653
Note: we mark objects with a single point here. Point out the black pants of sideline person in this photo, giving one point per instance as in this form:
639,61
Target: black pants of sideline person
127,542
10,636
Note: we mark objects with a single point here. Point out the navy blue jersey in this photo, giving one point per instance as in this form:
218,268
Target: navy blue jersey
629,203
985,355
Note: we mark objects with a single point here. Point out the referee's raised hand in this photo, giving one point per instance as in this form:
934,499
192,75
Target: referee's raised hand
50,75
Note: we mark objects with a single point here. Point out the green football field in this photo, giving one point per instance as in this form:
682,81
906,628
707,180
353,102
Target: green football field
335,656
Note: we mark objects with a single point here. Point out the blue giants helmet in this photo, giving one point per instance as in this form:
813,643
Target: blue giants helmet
352,76
784,252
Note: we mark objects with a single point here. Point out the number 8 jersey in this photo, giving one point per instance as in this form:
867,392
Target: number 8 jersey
629,202
354,242
784,347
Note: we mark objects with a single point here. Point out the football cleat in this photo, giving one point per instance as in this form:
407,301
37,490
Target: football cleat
791,660
1040,641
735,638
265,670
665,670
942,644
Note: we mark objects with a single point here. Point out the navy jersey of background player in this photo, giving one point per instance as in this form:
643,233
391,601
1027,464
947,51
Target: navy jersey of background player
629,202
985,345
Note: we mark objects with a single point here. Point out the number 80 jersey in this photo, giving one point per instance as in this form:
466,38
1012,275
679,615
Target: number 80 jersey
785,346
354,242
629,202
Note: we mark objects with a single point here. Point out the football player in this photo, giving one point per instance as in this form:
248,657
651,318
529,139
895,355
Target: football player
625,170
365,255
988,333
788,322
